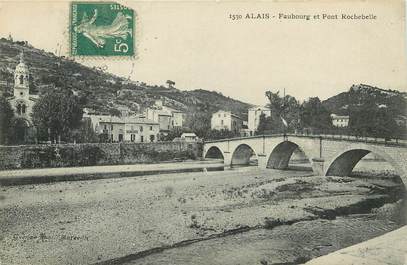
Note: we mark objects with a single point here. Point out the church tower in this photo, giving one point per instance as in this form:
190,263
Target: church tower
21,80
22,103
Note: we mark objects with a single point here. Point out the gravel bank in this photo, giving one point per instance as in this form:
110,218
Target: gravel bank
86,222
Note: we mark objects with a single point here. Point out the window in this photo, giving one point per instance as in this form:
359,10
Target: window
151,128
132,137
142,138
141,128
21,93
152,138
105,127
221,122
19,109
111,127
219,115
23,109
132,127
21,79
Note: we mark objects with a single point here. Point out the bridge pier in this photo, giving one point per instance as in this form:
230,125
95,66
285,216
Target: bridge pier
262,160
318,166
227,158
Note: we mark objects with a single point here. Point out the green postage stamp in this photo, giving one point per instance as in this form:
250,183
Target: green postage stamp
101,29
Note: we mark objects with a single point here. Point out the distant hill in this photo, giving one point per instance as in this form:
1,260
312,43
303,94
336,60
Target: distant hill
101,90
358,95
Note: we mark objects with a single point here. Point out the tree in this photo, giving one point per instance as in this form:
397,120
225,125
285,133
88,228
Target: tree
6,117
314,115
199,123
174,133
369,120
265,125
85,133
19,129
114,112
56,114
282,107
170,83
220,134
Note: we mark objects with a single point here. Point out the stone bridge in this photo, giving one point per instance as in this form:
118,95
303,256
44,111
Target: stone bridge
328,155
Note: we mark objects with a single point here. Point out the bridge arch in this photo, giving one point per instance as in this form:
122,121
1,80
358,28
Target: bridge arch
343,163
242,154
214,152
279,157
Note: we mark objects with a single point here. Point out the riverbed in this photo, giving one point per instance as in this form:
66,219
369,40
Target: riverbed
239,216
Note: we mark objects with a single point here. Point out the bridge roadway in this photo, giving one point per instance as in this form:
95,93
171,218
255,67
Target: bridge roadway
328,155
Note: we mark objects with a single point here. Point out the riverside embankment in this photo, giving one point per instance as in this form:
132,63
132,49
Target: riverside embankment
137,220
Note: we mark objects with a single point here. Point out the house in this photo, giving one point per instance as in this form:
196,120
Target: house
141,130
124,129
401,120
340,120
245,132
254,114
124,110
226,120
178,118
167,117
189,137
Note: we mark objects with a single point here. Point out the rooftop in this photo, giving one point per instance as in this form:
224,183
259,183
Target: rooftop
259,108
334,116
123,120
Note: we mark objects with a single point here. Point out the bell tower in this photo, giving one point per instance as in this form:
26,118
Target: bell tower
21,80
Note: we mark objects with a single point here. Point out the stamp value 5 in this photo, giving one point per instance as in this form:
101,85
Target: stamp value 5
101,29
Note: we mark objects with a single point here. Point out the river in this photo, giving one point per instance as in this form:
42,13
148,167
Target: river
288,244
237,216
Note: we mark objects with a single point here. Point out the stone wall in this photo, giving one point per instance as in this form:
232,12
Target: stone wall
69,155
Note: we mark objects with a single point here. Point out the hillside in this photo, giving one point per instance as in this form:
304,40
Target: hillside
101,90
358,95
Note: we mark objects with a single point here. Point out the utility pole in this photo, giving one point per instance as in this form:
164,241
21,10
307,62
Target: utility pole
285,134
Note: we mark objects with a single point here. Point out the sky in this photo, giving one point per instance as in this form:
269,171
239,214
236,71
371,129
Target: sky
197,45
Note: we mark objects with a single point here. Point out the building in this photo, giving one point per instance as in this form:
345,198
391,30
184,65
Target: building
340,121
254,114
401,120
244,132
124,111
226,120
167,117
141,130
124,129
189,137
22,101
178,118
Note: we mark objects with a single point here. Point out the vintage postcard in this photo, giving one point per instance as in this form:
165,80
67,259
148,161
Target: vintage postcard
203,132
